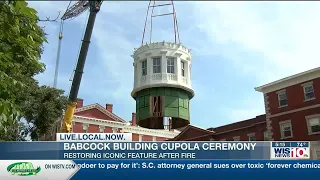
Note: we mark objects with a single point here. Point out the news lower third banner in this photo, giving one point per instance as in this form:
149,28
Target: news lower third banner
134,150
92,157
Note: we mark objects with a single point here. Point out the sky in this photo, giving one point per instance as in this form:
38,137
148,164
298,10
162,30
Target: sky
236,46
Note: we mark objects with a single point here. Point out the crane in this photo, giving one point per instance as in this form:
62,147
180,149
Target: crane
75,10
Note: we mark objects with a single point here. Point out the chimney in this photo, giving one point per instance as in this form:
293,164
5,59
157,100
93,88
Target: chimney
134,120
79,103
109,107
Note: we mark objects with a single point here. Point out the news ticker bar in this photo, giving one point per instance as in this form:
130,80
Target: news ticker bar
154,150
159,169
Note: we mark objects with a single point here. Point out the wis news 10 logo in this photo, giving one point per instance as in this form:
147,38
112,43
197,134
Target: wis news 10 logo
290,150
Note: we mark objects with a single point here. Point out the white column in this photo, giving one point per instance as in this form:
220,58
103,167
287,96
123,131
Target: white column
85,128
135,66
140,137
139,72
163,64
115,130
101,128
154,138
187,63
149,69
190,66
178,68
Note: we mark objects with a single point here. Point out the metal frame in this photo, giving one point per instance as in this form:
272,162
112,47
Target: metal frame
175,21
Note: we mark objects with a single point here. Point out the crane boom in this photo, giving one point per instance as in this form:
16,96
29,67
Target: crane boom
75,10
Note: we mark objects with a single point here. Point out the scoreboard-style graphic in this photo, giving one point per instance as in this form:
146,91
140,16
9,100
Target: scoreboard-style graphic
289,150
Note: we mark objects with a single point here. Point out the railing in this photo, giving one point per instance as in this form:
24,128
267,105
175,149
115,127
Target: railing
156,76
173,78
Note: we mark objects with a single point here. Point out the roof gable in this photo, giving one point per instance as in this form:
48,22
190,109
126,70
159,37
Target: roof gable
290,81
190,132
97,111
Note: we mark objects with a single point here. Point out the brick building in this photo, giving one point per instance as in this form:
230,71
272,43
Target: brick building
293,106
95,118
292,109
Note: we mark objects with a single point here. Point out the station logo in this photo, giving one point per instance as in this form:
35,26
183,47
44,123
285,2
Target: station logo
23,169
290,153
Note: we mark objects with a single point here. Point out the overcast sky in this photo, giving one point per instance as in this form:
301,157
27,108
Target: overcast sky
236,46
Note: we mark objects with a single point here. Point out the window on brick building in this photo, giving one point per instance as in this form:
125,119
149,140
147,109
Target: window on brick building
286,129
313,124
282,98
251,137
308,91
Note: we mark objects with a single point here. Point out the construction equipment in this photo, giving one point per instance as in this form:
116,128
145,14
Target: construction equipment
75,10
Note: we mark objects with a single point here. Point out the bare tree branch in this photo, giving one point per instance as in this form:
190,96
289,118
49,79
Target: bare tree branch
50,20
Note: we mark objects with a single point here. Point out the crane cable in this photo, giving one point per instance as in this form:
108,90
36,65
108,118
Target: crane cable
60,36
58,55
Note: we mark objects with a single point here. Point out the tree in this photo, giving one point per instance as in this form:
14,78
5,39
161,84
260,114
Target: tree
42,107
21,40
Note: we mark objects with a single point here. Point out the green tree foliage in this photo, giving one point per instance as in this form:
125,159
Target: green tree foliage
21,41
42,107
